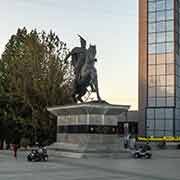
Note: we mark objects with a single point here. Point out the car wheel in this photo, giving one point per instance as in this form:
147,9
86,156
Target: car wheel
136,155
29,158
46,158
147,156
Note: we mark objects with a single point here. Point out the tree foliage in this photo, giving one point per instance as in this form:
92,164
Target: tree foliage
34,75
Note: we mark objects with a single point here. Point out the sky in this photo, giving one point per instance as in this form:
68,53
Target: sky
111,25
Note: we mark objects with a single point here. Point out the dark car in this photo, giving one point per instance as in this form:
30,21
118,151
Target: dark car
39,154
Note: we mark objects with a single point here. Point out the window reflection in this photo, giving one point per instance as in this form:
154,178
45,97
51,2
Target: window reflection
151,17
150,133
170,68
150,113
170,101
161,91
169,15
159,133
161,58
152,38
169,25
160,26
159,124
169,57
160,69
160,102
152,49
160,5
151,69
169,47
168,124
168,113
151,6
170,91
169,4
169,36
161,15
161,37
151,59
150,124
151,92
152,27
161,80
151,81
151,102
160,48
170,80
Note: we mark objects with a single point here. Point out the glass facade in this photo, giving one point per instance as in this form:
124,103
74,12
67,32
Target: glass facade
161,118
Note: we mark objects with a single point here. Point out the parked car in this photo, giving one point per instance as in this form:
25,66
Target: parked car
142,152
39,154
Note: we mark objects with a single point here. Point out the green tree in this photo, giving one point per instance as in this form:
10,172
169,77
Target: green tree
33,69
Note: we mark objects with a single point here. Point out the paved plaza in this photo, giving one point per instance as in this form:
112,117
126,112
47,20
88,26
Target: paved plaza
163,166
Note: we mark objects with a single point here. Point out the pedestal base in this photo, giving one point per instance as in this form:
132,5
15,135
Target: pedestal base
88,130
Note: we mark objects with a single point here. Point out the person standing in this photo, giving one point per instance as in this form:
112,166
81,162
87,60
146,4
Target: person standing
14,148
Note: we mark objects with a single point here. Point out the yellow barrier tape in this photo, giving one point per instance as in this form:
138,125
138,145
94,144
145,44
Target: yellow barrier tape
165,138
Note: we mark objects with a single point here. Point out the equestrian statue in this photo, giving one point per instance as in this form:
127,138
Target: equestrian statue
83,62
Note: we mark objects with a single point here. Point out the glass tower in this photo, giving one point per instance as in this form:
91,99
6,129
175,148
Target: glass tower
160,28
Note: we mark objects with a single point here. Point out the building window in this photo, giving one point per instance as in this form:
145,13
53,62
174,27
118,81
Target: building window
161,15
169,36
168,124
152,38
161,37
161,26
151,102
169,4
170,101
161,91
170,80
151,17
168,113
150,124
169,15
152,92
160,102
151,6
159,125
161,80
161,58
161,69
152,69
150,114
152,27
169,47
169,25
151,81
160,48
170,68
160,5
152,59
159,113
170,91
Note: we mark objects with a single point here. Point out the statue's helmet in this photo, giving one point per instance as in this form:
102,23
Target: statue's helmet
82,41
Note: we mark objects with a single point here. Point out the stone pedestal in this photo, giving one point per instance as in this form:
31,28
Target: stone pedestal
88,129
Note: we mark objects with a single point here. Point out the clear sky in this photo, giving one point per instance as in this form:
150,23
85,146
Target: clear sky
112,25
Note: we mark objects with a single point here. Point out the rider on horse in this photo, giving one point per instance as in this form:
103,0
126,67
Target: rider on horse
83,61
